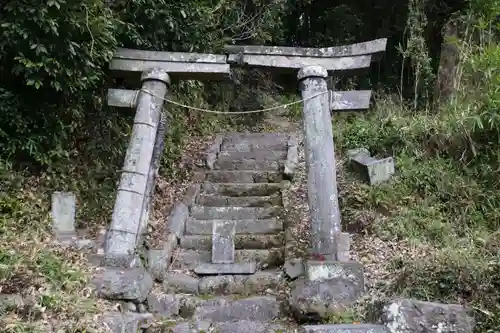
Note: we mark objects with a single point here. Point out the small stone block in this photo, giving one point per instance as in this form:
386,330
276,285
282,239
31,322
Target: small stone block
63,214
235,268
380,171
352,153
211,153
327,270
256,309
292,158
123,284
409,315
125,321
181,283
343,246
159,259
164,305
190,327
319,299
373,170
177,219
223,234
294,268
192,194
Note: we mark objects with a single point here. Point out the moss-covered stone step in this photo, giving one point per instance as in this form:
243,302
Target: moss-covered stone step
258,283
257,308
215,309
224,201
264,226
249,164
242,189
261,155
234,213
256,145
345,328
244,176
251,242
265,139
241,326
190,259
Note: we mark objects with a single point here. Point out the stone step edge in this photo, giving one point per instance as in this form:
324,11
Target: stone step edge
119,321
250,197
245,268
257,283
344,328
273,257
254,134
222,158
241,241
274,225
250,164
227,151
211,153
235,189
214,200
251,172
244,184
235,208
225,327
278,161
244,176
221,309
231,213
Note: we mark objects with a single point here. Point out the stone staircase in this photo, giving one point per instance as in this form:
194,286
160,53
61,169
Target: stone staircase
226,272
234,226
226,275
227,265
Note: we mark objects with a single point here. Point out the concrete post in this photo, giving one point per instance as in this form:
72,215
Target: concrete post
126,220
320,163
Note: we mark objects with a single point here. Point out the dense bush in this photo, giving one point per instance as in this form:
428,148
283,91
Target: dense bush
53,56
196,25
51,59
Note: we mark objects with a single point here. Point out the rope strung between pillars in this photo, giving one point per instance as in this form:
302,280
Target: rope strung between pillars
230,112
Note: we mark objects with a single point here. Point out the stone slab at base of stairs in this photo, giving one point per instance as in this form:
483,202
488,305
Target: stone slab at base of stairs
190,259
221,269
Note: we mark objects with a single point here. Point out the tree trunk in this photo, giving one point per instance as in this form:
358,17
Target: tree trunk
447,71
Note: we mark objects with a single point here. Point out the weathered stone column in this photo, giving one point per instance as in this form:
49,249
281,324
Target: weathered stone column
320,163
153,172
126,220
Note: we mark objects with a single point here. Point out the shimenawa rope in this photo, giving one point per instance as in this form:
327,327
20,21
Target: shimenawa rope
229,112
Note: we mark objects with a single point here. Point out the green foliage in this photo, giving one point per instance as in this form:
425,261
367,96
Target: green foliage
444,198
448,208
416,52
197,25
57,44
50,55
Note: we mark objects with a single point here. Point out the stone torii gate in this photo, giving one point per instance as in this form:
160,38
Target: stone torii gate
154,69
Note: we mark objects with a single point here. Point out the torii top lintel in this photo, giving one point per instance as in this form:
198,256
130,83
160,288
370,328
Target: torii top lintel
374,47
202,66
